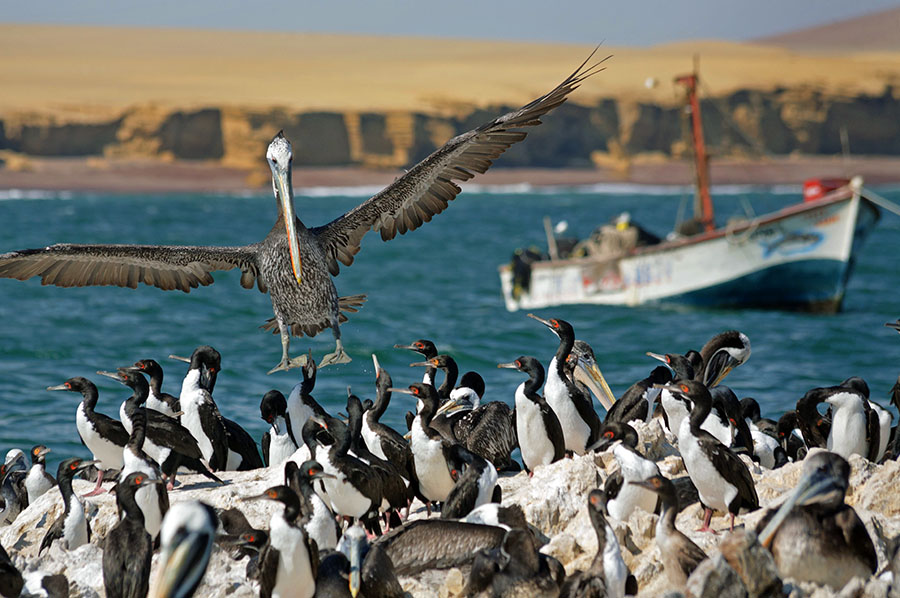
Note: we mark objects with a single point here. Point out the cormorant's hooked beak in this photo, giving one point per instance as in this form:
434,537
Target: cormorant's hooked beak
183,564
546,323
282,182
659,357
43,452
405,391
323,475
590,375
114,375
512,365
422,364
179,358
812,488
377,365
59,387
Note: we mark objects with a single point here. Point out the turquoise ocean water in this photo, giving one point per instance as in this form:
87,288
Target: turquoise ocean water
439,282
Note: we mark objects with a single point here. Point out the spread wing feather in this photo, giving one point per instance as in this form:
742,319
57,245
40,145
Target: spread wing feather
427,188
168,267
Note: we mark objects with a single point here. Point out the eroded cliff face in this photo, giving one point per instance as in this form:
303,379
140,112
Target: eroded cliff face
782,121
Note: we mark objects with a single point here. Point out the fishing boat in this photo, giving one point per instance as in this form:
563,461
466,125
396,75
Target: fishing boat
799,257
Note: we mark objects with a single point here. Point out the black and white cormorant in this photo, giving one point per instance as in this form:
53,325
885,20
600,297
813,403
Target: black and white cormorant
301,405
722,480
71,526
767,449
382,440
430,450
538,429
128,548
623,495
608,576
815,536
515,568
104,436
295,264
393,485
318,520
278,442
289,562
850,430
167,442
580,423
242,452
356,488
201,414
152,499
38,480
682,368
157,399
186,539
680,555
476,483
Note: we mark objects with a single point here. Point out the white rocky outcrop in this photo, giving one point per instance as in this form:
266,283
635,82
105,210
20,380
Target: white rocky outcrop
554,502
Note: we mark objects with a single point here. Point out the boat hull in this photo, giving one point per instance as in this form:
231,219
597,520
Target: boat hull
797,258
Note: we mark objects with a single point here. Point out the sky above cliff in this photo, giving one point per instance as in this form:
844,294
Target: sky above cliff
615,22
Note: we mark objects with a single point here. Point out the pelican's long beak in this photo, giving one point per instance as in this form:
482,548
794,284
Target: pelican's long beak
451,406
591,376
812,488
183,565
286,195
356,559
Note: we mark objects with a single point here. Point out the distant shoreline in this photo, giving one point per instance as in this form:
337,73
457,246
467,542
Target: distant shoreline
149,176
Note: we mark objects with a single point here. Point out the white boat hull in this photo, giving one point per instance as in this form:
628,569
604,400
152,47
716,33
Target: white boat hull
797,258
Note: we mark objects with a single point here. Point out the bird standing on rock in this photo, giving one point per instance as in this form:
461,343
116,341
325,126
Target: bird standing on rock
541,439
127,548
722,479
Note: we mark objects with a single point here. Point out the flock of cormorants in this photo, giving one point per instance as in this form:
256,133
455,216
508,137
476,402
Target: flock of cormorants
349,482
352,479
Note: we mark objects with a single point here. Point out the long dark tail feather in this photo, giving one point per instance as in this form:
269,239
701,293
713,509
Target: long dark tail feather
350,304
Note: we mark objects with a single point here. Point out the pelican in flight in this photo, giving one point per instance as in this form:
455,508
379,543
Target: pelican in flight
294,264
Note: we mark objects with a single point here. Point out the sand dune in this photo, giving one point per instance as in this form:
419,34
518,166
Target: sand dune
90,70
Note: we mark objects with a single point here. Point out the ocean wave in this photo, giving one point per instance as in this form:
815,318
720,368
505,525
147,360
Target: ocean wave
20,194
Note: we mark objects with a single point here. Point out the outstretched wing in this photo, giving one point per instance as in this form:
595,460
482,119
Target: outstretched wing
430,185
168,267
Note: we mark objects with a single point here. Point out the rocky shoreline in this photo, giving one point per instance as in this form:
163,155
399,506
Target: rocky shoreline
154,176
553,501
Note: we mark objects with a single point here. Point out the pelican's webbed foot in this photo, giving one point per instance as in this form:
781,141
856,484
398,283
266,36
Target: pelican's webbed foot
339,356
286,364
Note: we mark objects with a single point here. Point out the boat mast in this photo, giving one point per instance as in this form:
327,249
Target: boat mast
703,207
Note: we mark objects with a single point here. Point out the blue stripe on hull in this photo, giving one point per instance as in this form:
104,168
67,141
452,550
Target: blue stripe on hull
816,285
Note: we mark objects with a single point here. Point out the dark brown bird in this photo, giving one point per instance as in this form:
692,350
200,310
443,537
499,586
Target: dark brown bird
294,264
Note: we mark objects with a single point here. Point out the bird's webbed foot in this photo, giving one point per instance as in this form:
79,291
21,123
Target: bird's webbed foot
286,364
339,356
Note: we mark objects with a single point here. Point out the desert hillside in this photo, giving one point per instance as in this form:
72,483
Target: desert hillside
112,94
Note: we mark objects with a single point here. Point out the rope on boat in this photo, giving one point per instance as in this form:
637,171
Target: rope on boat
880,201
